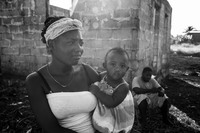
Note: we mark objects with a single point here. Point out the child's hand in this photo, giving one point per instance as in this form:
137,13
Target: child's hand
94,87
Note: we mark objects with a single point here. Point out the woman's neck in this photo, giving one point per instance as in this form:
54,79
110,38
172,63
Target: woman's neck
60,69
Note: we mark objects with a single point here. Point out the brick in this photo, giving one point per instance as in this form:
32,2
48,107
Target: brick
110,5
14,28
104,33
39,27
89,43
38,51
27,20
40,8
10,51
17,43
5,43
28,35
7,36
3,28
5,58
129,4
23,28
14,13
88,52
91,34
121,34
36,36
1,23
104,16
27,3
29,43
126,23
18,36
39,43
19,59
100,52
1,36
4,13
24,51
107,44
110,24
7,5
17,21
121,13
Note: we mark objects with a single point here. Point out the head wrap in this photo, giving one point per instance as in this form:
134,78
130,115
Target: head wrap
61,26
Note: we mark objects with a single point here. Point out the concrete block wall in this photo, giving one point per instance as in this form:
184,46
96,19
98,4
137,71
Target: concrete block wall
20,25
141,27
107,24
154,33
136,25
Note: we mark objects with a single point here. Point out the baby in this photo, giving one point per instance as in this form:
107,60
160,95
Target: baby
114,112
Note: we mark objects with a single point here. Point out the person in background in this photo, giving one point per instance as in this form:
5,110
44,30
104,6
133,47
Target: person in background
148,93
114,112
59,91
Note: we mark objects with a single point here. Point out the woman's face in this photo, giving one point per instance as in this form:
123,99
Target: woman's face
116,65
68,47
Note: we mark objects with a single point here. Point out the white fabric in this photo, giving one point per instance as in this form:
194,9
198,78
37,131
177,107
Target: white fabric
153,100
114,120
72,109
61,26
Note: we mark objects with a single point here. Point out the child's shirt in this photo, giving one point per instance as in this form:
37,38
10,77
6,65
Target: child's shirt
119,118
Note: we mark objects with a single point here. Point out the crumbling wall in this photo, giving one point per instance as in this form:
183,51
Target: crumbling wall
20,25
142,27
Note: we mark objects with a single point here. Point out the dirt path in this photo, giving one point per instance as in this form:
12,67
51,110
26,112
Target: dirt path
16,115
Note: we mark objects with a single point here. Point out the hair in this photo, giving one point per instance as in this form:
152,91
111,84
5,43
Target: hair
117,50
47,23
147,69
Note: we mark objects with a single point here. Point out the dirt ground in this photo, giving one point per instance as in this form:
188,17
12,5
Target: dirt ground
182,87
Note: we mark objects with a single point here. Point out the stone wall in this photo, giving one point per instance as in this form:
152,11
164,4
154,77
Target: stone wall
20,24
141,27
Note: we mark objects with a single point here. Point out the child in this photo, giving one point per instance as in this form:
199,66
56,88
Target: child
114,112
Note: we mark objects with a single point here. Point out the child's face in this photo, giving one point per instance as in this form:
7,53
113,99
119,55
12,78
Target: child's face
116,65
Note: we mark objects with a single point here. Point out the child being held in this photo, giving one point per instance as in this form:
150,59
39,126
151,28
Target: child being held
114,112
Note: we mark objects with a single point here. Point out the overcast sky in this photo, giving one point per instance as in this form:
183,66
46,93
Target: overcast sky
61,3
184,13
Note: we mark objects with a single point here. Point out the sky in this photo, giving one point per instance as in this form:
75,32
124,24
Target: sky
66,4
184,13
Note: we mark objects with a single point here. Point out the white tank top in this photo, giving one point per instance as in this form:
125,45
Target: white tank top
72,109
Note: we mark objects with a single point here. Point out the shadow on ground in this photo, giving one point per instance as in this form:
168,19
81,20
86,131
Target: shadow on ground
16,115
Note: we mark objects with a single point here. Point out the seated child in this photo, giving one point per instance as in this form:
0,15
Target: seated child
114,112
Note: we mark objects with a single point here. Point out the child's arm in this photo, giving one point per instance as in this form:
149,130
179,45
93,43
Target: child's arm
113,100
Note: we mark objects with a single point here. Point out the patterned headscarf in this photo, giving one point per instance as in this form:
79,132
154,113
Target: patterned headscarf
61,26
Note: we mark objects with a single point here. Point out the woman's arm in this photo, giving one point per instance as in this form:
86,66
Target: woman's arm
40,106
113,100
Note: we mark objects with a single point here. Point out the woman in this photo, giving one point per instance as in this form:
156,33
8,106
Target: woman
58,91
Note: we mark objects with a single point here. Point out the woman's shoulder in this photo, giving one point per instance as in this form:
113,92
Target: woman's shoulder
34,75
32,82
34,79
91,72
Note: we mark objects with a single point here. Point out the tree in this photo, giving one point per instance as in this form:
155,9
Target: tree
189,28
